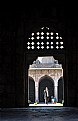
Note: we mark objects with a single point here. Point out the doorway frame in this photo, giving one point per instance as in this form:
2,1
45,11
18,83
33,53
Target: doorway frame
35,54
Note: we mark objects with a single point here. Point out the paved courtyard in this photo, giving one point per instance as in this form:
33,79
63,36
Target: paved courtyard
39,114
47,105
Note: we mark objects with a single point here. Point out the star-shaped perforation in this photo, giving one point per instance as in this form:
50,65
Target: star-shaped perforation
38,40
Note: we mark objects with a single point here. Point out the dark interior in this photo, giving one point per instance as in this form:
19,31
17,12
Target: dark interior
15,27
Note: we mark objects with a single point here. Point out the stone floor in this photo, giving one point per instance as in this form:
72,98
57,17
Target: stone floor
49,104
39,114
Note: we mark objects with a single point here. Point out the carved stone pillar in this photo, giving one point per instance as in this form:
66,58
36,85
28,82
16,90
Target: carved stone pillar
56,89
36,92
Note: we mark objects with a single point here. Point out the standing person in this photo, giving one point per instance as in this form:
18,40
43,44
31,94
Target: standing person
55,100
47,95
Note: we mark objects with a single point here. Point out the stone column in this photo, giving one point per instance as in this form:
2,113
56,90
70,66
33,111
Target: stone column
36,91
28,87
56,89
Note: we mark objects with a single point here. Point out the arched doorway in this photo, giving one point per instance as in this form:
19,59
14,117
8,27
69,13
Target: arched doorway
60,90
45,42
46,81
31,90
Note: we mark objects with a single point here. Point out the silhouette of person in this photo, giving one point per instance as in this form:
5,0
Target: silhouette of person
46,95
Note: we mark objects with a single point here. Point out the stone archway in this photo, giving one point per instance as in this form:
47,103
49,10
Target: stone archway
45,81
31,90
42,43
60,89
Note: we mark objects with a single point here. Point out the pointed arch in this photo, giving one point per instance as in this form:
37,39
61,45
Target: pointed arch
46,81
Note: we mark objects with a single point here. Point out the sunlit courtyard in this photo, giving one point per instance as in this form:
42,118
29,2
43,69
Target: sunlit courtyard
49,104
45,73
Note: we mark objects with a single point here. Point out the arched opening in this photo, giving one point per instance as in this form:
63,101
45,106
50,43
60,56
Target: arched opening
41,44
31,93
46,71
61,90
46,81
